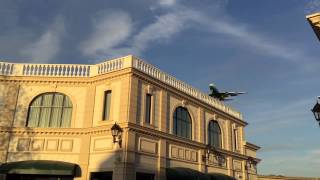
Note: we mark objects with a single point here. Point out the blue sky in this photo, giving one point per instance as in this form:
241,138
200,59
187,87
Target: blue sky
266,48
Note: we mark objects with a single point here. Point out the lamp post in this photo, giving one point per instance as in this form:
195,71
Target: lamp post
316,110
116,132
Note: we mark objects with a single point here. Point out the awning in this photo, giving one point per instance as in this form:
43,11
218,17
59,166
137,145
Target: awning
39,167
179,173
218,176
185,174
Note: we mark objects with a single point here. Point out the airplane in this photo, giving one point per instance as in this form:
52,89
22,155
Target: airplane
222,96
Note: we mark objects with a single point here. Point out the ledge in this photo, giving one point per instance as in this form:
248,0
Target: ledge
314,21
86,71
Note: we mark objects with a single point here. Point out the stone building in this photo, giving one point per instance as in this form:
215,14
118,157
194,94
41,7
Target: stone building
56,120
314,21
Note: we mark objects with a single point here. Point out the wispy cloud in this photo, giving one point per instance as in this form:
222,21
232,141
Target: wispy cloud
112,34
47,46
312,6
277,115
164,27
244,34
109,31
167,2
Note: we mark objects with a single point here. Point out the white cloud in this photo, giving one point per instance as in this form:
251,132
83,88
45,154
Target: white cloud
109,31
47,46
167,2
312,6
241,33
114,29
113,34
162,29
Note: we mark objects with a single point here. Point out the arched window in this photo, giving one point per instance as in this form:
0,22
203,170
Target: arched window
214,134
50,110
182,123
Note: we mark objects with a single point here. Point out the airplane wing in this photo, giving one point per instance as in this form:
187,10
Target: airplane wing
233,93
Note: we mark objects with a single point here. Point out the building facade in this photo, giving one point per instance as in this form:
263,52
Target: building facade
60,116
314,21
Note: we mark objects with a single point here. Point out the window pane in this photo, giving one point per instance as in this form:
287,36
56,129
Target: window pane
184,116
34,113
66,117
179,128
50,110
174,125
178,112
47,100
148,108
67,102
188,135
37,101
214,134
58,100
235,133
182,123
183,129
107,103
56,116
45,117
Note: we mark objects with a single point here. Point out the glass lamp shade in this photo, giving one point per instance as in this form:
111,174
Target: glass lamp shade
116,130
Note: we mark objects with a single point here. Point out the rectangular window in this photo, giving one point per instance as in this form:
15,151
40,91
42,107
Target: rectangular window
148,108
144,176
235,139
106,105
101,176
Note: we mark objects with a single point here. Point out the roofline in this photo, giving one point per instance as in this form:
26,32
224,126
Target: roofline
312,15
252,146
129,61
315,28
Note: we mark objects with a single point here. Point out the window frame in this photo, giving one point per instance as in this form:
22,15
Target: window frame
106,108
213,126
236,139
63,108
148,108
180,124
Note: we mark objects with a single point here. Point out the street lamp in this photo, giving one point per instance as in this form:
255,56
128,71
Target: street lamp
116,132
316,110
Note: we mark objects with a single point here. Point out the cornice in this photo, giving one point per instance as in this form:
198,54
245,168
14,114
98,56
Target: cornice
179,140
106,129
252,146
183,95
67,80
82,72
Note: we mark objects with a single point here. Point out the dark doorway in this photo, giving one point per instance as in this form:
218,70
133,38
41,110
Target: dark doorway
101,176
144,176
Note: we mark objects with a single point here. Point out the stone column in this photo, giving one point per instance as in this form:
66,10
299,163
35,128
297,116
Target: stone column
84,157
162,160
163,111
124,168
